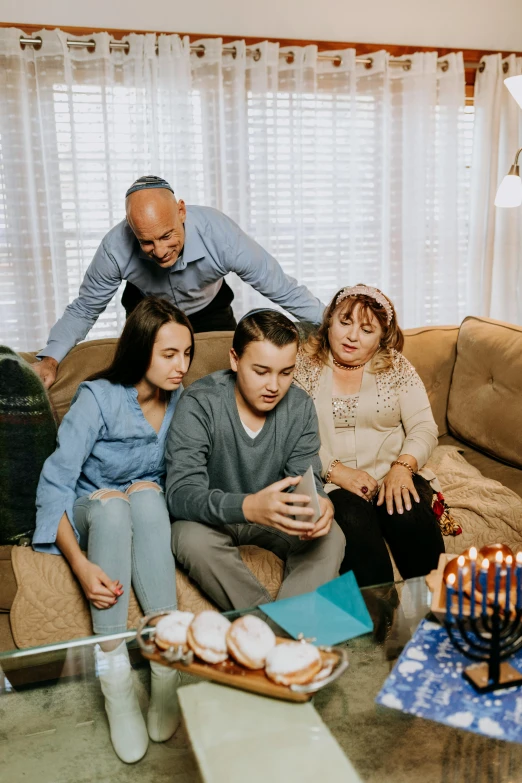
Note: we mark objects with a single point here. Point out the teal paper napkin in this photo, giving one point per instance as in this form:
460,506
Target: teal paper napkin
331,614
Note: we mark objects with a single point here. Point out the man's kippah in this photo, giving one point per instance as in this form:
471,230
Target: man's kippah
148,182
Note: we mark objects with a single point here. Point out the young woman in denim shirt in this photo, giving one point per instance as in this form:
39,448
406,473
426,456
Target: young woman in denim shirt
101,492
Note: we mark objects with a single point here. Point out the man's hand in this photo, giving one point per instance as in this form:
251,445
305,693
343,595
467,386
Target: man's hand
101,591
46,369
324,523
273,507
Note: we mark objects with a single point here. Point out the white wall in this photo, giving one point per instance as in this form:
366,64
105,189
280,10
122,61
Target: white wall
467,24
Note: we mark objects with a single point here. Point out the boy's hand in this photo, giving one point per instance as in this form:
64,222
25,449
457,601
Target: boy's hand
273,507
324,523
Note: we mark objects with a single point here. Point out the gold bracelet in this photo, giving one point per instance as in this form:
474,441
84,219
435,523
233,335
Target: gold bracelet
404,465
332,466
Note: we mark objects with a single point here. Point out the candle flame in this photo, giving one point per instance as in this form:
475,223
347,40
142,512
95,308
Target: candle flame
499,557
451,580
461,561
519,558
473,553
485,564
509,560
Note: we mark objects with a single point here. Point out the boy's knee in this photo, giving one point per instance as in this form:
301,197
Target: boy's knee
338,538
139,486
192,539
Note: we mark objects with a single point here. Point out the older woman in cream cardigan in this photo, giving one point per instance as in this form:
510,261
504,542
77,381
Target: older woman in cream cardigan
377,433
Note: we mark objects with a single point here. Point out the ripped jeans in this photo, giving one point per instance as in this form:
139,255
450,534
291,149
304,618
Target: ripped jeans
128,536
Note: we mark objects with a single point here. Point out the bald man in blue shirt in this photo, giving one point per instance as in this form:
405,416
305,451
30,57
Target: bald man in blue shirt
177,252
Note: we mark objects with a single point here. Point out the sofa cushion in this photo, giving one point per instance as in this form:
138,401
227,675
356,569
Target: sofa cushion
432,351
485,401
211,354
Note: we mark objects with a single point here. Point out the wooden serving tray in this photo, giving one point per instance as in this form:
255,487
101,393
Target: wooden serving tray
230,673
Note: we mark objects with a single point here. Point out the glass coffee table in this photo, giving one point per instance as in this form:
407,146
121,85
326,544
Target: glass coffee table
53,727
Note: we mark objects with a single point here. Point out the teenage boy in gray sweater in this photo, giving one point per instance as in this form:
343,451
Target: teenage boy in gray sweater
238,444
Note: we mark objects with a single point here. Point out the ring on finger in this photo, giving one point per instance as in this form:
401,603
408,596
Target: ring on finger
403,486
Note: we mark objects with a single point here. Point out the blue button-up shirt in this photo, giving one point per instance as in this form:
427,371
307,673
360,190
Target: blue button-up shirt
104,442
214,246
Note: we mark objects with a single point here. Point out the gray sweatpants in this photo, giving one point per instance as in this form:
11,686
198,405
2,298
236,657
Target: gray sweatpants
211,558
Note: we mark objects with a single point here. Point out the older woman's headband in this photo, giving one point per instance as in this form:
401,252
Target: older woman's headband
373,293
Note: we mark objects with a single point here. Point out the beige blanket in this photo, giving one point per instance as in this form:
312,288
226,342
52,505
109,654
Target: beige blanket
486,510
50,606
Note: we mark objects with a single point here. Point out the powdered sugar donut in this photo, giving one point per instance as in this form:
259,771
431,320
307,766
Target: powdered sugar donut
207,636
249,641
171,630
293,662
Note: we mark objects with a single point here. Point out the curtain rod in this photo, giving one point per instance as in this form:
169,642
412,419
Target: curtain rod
200,50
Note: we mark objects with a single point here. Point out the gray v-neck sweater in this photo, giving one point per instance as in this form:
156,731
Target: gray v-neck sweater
212,463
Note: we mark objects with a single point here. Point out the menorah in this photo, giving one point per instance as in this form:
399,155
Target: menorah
493,634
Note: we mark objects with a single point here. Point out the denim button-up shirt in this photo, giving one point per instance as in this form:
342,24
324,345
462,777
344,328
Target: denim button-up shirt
214,246
104,442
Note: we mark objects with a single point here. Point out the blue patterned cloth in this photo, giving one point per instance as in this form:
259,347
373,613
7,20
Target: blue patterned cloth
427,682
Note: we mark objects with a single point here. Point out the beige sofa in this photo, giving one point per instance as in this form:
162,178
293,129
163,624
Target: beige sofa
473,374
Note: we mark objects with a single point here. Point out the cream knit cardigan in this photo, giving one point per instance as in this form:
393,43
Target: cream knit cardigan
393,417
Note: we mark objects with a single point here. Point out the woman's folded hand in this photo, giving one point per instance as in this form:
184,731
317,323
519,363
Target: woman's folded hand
357,481
99,589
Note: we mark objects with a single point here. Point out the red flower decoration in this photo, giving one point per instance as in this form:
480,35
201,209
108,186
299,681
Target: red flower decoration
438,508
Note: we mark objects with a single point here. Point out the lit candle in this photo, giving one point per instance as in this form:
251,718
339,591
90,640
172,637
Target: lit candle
509,565
450,582
460,563
518,572
484,583
473,558
498,567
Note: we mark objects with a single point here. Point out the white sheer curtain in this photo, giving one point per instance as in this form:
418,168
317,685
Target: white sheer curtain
495,246
345,173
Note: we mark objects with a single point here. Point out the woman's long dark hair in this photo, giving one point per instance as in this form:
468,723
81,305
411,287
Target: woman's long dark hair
134,351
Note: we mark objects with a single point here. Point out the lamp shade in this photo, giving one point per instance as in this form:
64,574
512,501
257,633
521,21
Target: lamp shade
509,193
514,85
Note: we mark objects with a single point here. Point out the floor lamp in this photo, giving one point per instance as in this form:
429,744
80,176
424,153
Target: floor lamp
509,193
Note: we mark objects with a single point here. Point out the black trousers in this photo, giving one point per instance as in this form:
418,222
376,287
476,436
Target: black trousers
215,317
414,536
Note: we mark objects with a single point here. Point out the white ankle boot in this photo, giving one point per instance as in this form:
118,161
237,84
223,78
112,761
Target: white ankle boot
164,715
127,726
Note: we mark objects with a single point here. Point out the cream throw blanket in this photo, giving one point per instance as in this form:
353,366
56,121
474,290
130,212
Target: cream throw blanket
486,510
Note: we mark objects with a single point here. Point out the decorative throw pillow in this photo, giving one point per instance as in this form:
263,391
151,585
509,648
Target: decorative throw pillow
27,437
